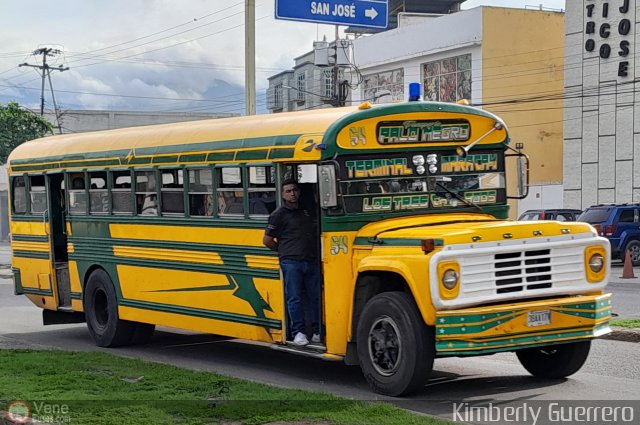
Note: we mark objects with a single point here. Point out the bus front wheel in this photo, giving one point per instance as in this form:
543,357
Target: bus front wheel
101,312
554,361
395,348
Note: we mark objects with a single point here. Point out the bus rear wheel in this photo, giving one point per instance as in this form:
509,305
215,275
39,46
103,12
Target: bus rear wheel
554,361
395,348
101,312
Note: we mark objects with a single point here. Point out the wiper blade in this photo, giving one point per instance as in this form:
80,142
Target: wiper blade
459,197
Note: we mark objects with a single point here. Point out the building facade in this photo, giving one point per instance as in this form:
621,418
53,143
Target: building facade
507,61
602,106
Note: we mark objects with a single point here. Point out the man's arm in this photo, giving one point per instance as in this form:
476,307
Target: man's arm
270,242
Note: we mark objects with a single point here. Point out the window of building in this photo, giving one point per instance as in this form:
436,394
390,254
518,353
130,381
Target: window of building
172,192
230,192
77,194
19,195
146,195
302,86
448,80
277,96
121,192
384,87
327,83
98,193
200,192
262,190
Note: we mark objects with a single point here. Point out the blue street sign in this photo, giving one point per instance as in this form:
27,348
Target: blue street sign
354,13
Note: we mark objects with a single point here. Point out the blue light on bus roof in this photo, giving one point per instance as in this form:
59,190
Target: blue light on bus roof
414,92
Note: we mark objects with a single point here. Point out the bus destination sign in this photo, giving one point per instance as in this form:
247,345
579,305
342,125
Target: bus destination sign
423,131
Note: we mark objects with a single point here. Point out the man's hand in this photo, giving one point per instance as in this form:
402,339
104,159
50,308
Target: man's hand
270,242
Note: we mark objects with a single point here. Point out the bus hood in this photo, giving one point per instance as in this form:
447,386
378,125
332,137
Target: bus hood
449,229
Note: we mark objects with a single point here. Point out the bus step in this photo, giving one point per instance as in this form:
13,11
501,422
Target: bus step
316,351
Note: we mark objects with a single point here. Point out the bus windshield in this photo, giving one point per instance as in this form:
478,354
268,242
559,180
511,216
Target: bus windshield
421,181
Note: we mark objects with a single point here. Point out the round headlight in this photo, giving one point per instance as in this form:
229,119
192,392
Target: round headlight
432,159
418,160
596,263
433,169
420,169
450,279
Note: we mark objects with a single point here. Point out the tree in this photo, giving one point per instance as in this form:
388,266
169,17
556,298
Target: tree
17,125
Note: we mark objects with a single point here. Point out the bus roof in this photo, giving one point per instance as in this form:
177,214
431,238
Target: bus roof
268,137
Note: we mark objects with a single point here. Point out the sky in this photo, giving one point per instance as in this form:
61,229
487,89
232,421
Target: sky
154,55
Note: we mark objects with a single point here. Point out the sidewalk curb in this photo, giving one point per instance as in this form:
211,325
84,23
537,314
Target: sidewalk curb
624,334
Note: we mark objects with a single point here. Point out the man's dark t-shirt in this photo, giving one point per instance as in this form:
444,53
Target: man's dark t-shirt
296,232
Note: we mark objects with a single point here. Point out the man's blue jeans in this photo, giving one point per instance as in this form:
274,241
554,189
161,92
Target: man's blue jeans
300,276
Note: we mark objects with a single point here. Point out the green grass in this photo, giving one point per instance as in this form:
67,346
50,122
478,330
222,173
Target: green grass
626,323
102,389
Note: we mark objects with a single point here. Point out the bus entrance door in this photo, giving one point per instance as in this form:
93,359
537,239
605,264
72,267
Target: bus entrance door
58,239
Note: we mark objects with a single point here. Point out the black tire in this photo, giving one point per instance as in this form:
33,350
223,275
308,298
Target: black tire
634,252
555,361
142,333
101,312
395,348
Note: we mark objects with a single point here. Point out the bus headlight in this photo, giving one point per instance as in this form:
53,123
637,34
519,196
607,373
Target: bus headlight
449,279
595,263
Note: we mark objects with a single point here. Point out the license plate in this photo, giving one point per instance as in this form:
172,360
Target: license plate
539,318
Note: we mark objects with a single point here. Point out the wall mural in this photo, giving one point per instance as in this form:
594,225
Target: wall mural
447,80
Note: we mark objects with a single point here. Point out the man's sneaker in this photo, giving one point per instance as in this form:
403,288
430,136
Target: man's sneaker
315,338
300,339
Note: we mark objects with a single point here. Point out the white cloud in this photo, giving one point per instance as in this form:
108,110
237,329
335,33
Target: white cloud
167,49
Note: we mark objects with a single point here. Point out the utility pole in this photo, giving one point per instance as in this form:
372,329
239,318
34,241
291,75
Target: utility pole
46,72
250,56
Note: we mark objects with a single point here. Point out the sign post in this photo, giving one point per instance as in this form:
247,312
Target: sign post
354,13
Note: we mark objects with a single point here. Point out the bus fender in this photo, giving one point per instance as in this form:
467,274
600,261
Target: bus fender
419,290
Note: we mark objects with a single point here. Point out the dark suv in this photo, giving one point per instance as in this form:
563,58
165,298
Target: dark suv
620,224
557,214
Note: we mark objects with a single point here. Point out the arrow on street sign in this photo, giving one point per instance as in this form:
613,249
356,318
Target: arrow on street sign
371,13
354,13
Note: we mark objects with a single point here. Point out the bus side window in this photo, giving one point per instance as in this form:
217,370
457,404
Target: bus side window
38,194
230,192
262,191
19,195
121,193
200,192
98,193
172,192
77,194
146,196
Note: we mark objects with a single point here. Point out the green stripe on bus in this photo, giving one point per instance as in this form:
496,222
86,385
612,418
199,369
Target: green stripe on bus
207,314
200,157
221,156
31,254
169,159
281,153
29,238
252,155
17,281
33,291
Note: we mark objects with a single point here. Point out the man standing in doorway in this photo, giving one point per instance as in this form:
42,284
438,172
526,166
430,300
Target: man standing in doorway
292,232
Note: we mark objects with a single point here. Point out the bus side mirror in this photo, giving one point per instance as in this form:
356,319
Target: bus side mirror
522,174
327,185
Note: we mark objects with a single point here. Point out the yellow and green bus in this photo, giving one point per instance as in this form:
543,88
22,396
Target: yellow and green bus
162,225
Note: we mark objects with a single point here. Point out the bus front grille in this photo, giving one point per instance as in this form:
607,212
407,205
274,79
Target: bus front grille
528,271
